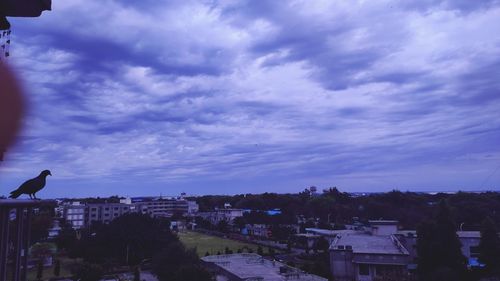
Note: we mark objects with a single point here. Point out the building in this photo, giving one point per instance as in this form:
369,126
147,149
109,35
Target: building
193,207
163,207
219,215
381,248
83,215
258,230
106,212
74,214
383,227
238,267
361,257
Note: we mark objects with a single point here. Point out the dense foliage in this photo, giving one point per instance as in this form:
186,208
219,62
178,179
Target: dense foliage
131,239
489,247
439,250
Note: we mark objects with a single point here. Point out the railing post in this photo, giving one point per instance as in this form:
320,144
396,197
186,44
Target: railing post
4,242
26,244
16,276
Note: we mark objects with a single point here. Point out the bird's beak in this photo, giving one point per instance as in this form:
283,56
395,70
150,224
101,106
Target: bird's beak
50,174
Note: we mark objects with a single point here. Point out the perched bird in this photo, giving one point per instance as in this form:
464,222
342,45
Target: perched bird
31,186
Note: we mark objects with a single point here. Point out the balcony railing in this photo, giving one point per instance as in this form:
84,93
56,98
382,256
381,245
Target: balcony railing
15,221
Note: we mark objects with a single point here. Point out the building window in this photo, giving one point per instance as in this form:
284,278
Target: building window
364,269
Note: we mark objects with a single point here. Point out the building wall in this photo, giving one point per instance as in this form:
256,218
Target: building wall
341,265
75,215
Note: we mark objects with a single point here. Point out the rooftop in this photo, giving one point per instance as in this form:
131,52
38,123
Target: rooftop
329,232
383,222
246,266
370,244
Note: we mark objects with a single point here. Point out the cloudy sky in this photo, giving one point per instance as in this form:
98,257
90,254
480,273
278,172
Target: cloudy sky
149,97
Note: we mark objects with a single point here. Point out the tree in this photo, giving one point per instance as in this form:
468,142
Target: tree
137,273
321,245
39,269
87,271
125,244
222,226
175,263
271,251
42,250
439,249
489,247
67,236
57,268
40,225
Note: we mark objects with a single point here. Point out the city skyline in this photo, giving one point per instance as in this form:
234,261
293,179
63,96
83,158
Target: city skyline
217,97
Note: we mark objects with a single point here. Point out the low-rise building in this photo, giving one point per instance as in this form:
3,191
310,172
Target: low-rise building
381,248
239,267
361,256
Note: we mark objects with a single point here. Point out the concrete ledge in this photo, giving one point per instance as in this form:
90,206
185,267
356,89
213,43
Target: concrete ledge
14,203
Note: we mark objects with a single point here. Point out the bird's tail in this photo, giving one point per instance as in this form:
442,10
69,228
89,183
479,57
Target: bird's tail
14,194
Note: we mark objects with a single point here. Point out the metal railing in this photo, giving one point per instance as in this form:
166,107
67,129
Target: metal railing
15,221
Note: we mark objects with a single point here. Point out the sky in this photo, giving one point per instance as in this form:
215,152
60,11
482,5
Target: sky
226,97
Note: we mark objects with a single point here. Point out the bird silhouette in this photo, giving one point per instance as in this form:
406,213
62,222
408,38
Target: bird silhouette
31,186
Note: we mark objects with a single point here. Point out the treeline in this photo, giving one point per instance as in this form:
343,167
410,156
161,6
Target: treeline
332,206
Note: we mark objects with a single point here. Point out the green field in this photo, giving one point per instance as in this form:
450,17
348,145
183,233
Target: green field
206,243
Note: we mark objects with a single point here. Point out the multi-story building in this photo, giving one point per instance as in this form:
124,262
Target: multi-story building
74,214
106,212
169,207
83,215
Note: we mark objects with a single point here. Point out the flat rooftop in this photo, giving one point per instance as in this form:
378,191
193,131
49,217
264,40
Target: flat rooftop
329,232
246,266
370,244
